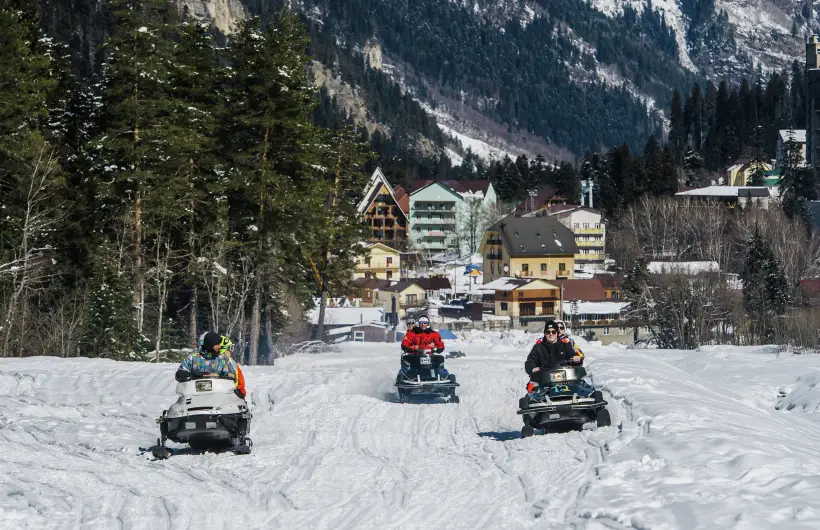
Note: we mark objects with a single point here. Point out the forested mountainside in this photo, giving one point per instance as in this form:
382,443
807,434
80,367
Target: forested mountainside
549,77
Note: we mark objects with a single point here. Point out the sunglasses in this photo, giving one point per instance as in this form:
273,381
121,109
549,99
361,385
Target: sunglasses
551,332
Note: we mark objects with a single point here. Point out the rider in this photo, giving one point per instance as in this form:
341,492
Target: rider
209,360
549,353
410,336
425,338
227,347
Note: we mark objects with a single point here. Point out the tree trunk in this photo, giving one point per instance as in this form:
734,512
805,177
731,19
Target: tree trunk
139,287
320,325
256,320
193,323
269,334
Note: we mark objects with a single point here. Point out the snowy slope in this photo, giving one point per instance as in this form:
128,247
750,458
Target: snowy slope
699,444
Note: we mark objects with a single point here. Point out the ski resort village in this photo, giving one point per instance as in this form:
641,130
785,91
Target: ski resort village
548,264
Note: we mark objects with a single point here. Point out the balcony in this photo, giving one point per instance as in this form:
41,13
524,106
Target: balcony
434,207
494,257
494,242
590,257
450,221
596,243
588,230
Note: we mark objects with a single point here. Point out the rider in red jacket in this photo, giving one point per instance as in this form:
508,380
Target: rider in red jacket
410,336
426,338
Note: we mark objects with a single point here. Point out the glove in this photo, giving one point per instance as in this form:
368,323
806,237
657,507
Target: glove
577,359
536,369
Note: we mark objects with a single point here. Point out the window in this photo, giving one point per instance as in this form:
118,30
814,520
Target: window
389,275
621,331
548,308
543,267
503,306
553,292
574,225
492,267
538,235
597,225
606,332
411,299
562,268
527,310
517,235
389,261
586,225
358,336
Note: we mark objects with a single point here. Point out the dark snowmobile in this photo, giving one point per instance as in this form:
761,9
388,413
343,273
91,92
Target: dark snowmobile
419,374
562,396
209,415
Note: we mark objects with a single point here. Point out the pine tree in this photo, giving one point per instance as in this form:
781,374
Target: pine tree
797,184
757,158
765,289
637,290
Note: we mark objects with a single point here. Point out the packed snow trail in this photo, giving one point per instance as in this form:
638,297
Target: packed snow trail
695,442
331,449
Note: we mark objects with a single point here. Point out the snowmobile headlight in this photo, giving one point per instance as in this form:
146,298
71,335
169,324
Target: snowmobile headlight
558,376
190,425
424,360
204,386
210,425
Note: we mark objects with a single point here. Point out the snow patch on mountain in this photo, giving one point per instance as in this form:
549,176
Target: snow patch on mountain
674,19
481,149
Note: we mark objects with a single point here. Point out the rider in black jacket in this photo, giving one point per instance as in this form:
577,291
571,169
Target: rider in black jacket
550,352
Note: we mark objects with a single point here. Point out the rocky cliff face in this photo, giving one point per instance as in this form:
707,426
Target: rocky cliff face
223,14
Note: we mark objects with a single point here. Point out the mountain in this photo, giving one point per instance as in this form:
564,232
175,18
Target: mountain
556,77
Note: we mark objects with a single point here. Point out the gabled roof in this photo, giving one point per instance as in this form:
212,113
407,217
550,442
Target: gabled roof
370,283
535,236
591,290
455,195
403,197
400,286
377,180
726,191
505,283
380,245
433,284
608,280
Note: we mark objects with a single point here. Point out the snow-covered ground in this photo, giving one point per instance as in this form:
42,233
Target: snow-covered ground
696,442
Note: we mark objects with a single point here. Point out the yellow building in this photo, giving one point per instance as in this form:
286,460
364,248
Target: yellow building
407,295
528,302
381,263
740,173
529,247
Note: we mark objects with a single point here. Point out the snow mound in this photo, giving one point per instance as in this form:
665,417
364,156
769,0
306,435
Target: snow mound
803,398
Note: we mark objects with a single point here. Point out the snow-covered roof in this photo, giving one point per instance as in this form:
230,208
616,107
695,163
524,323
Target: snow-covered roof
682,267
347,316
798,135
594,308
727,191
504,284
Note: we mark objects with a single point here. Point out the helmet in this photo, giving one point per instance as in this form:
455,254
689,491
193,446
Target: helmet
226,347
411,321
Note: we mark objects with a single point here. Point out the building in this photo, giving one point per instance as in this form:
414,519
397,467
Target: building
372,332
529,247
400,298
433,218
611,284
435,288
731,196
812,80
381,262
740,173
796,135
599,321
528,302
814,216
364,290
439,210
538,198
383,213
589,230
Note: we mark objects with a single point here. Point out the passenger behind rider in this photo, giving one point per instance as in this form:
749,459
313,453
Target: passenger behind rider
209,361
227,347
564,336
549,352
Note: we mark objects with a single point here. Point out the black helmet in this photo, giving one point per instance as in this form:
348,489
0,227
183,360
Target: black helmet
551,325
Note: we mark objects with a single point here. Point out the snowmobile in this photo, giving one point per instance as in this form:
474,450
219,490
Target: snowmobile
562,396
209,415
419,374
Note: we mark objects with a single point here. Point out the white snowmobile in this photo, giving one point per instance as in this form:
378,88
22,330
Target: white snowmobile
209,415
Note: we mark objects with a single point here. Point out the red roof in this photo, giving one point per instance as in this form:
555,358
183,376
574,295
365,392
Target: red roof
403,198
609,281
584,290
544,194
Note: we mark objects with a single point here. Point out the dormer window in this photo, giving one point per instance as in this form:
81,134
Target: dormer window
517,235
538,235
